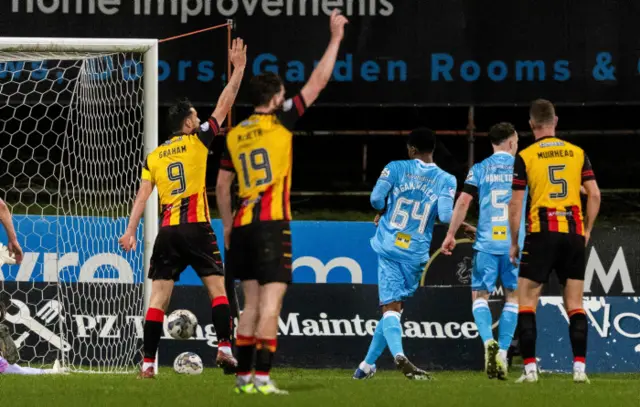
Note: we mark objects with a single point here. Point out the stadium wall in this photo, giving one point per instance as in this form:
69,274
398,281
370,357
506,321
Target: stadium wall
331,309
464,58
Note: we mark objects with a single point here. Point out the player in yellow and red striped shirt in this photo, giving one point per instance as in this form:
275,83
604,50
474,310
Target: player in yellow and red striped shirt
554,170
178,169
259,151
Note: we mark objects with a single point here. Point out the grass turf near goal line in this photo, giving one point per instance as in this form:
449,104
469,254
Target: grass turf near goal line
320,388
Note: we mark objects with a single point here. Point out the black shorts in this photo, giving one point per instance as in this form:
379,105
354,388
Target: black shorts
545,252
261,251
190,244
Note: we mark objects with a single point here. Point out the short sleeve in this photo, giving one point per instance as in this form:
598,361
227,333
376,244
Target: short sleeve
587,170
146,171
388,173
208,131
449,187
519,174
471,182
292,110
225,158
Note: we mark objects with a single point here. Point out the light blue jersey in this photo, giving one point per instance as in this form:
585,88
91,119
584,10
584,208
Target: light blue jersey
413,192
491,181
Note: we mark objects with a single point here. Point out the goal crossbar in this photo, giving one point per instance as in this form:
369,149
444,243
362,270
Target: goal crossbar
35,44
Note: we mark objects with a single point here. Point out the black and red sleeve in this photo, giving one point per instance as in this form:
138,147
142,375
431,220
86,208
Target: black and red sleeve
208,131
587,170
226,163
519,174
292,110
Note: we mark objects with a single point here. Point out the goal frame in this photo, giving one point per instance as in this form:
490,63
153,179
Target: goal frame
149,49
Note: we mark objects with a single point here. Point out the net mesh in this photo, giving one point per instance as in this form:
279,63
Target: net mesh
72,131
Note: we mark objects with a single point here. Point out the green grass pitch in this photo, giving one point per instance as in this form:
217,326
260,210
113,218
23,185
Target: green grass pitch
329,388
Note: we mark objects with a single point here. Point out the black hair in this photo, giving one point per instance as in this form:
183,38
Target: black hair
500,132
423,139
263,87
178,112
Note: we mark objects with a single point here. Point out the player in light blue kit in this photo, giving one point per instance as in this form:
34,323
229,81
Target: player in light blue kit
408,195
490,182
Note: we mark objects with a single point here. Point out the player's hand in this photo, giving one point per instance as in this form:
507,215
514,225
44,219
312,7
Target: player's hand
227,237
128,242
514,254
469,231
15,250
238,53
587,236
337,23
448,244
376,220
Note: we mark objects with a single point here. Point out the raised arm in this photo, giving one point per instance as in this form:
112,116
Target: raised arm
227,98
322,73
7,222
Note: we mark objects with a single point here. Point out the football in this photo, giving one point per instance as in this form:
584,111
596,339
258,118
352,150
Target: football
188,363
182,324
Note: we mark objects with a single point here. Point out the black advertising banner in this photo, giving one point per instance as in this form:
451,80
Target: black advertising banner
331,325
395,52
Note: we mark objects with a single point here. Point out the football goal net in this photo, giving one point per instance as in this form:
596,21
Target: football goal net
77,117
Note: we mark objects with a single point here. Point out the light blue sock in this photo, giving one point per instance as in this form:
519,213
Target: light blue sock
482,316
377,346
393,332
508,323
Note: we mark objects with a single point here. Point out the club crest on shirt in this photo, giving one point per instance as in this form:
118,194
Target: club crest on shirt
470,175
287,105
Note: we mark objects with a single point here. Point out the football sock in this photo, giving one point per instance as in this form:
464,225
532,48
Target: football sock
507,326
245,346
152,333
221,318
393,332
378,343
482,316
265,349
528,334
578,335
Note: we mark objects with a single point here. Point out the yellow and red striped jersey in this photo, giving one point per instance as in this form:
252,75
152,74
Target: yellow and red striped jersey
178,168
554,170
260,151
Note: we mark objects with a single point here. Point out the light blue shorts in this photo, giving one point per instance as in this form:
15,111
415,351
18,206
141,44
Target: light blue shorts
486,269
397,281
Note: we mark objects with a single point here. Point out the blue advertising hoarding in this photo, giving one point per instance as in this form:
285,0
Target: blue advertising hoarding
84,250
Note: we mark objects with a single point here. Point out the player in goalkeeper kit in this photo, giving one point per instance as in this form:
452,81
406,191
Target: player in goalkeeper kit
409,194
185,238
259,151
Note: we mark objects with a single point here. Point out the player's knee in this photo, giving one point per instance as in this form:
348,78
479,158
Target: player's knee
215,286
394,306
511,296
480,294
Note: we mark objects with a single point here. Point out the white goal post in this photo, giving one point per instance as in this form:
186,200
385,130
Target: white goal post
77,117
